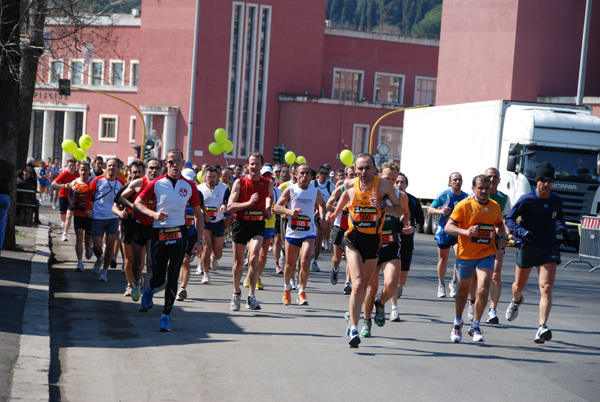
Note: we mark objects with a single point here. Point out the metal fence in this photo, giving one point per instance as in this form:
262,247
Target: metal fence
589,242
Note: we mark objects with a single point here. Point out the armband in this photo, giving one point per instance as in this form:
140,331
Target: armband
200,241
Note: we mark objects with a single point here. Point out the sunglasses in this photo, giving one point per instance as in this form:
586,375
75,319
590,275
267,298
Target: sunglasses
546,180
175,162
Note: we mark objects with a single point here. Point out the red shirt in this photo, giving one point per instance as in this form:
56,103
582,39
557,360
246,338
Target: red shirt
256,211
141,218
64,178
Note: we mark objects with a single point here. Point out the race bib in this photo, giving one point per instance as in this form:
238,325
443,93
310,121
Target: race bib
484,235
387,237
189,220
170,237
212,213
365,217
252,215
300,223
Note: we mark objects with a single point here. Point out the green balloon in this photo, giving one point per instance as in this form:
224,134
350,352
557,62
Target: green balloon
69,146
215,148
301,159
85,142
220,136
227,146
290,157
346,157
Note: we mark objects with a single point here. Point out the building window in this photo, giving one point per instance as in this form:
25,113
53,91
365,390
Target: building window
59,132
347,84
360,139
389,88
108,128
235,62
97,74
78,126
132,129
56,71
135,73
261,76
76,72
116,72
425,89
38,133
392,137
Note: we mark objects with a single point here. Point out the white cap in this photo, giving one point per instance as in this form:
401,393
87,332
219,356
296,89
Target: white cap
189,174
266,169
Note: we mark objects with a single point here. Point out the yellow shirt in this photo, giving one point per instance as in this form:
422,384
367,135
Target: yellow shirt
363,217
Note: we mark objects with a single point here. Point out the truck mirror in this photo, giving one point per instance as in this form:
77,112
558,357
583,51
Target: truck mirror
514,150
511,165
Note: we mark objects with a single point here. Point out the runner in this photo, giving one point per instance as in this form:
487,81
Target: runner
443,206
541,213
82,224
171,193
43,181
366,194
475,220
61,182
326,188
300,233
54,191
250,201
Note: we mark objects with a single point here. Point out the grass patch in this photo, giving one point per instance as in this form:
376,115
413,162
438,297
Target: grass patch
23,235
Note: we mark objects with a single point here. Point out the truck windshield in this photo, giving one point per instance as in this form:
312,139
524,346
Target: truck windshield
570,165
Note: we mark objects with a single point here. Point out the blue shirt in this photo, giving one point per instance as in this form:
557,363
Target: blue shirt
446,199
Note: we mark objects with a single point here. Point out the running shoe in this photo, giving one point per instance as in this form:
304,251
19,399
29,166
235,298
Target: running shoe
347,288
476,333
181,294
247,282
199,269
294,283
492,317
543,334
235,302
103,275
365,331
147,299
513,309
334,277
89,253
441,291
354,339
279,270
214,265
379,313
205,279
113,263
400,289
395,315
453,285
259,284
98,266
282,260
252,304
135,293
456,333
314,267
62,225
128,291
79,266
64,237
471,311
301,299
165,323
287,297
245,262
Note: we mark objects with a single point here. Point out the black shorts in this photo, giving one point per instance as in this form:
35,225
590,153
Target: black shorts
127,229
141,234
190,242
338,235
85,223
406,250
389,253
216,228
529,255
367,245
243,231
63,205
277,224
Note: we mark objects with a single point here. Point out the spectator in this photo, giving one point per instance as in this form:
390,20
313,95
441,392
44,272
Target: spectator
24,183
32,174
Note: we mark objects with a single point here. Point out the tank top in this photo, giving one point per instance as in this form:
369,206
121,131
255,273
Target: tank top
213,199
342,219
363,217
80,190
303,225
141,218
256,211
389,232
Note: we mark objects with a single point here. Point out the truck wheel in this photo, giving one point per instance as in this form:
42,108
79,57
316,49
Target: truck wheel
427,228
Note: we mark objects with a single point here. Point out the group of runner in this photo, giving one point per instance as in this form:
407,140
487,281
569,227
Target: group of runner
166,219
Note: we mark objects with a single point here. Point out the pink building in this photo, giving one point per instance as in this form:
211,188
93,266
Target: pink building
268,72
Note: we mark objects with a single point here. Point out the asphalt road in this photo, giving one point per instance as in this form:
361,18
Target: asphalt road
103,349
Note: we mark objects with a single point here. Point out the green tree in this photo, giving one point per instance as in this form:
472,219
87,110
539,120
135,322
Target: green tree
335,14
349,11
431,23
372,13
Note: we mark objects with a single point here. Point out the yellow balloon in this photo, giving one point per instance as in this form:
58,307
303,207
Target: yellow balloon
290,157
69,146
301,159
215,148
79,154
220,136
227,146
199,177
347,157
85,142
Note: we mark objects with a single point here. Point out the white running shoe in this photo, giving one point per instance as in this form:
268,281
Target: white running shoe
62,225
395,315
205,279
181,294
64,237
441,291
214,265
456,333
476,334
97,266
471,311
314,266
199,270
543,334
513,309
492,317
453,288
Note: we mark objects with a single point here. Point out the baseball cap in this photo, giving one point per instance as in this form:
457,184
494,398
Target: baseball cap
188,165
188,174
266,169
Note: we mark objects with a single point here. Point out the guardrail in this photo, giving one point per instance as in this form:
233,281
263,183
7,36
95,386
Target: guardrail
589,241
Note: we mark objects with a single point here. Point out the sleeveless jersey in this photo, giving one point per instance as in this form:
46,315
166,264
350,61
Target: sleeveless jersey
270,223
304,224
213,199
141,218
389,232
80,190
342,219
363,217
248,187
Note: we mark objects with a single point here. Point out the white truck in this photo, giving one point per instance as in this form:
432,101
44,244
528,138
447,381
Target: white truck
511,136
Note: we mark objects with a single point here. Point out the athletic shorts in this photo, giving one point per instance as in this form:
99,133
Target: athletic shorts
367,245
298,242
243,231
191,241
338,235
466,268
216,228
85,223
389,253
44,182
127,228
63,205
530,255
277,224
141,234
406,250
451,242
100,226
269,233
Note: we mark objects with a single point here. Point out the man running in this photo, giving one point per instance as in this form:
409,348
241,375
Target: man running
443,206
83,225
325,186
300,235
474,221
171,193
366,194
61,181
541,213
250,201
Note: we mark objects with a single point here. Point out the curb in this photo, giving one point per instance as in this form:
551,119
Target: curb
30,377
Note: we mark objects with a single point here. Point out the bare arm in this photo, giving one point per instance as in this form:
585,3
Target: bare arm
335,196
234,205
279,207
144,210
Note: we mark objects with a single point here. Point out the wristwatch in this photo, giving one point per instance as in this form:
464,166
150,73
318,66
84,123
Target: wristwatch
383,205
200,241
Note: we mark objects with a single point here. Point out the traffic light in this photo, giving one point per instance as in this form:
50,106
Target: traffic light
64,87
138,151
149,146
279,154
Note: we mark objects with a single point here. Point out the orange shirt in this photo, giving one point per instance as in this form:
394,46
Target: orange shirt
363,217
80,191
